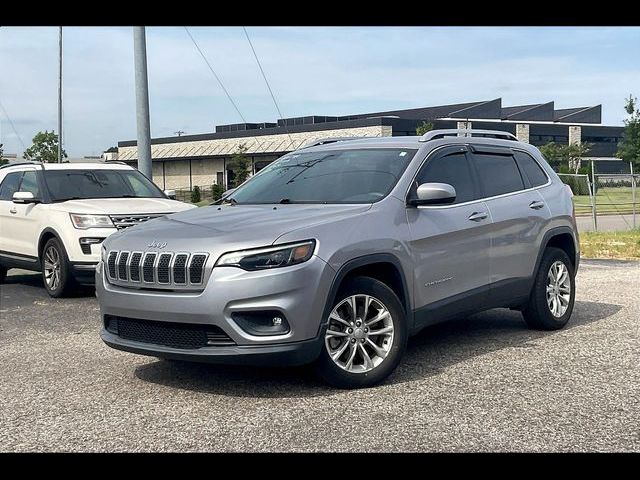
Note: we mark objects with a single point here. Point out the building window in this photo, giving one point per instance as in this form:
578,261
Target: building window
220,178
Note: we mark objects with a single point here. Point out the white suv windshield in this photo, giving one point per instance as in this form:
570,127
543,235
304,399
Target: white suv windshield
82,183
337,176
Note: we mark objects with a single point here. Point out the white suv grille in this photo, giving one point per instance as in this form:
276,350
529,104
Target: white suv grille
124,221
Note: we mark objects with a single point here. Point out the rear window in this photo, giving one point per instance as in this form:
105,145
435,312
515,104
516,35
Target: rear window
531,169
498,174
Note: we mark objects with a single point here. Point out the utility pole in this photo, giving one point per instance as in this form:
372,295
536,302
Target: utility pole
60,97
142,102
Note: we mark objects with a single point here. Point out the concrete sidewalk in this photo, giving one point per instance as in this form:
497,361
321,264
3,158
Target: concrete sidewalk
608,223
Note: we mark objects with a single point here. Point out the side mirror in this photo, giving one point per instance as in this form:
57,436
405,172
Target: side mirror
171,194
433,194
24,197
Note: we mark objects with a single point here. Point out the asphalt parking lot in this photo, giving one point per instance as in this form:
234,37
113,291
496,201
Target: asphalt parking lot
485,383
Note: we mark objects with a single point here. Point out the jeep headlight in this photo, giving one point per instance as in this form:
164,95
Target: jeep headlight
83,222
269,257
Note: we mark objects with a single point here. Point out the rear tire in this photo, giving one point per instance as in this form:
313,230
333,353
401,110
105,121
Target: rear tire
362,348
56,269
553,294
3,274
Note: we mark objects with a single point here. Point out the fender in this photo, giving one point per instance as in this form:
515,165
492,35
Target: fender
354,263
43,233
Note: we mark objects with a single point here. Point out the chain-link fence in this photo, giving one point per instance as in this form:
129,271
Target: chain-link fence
599,195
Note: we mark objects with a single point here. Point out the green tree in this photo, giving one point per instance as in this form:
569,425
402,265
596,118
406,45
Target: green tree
3,161
44,148
423,128
567,156
240,165
195,194
629,147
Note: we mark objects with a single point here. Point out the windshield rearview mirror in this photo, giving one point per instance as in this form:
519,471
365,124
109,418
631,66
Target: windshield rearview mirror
434,194
23,197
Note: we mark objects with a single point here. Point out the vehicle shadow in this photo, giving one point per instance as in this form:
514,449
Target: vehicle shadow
431,351
34,281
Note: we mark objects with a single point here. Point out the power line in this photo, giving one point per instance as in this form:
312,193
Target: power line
267,82
12,126
214,74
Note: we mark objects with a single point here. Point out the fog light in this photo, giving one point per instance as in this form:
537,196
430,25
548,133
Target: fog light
262,323
86,242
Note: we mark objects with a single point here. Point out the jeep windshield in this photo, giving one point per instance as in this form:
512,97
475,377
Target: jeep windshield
336,176
84,184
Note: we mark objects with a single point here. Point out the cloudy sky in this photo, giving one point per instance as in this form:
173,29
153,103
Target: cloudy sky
322,71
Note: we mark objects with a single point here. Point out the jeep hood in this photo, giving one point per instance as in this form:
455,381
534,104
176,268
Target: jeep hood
218,229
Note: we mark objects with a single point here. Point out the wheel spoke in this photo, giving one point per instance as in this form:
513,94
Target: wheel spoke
368,363
335,333
383,331
336,355
352,355
381,352
352,304
382,314
335,316
564,300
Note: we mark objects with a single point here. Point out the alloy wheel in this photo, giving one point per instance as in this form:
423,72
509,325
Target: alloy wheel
558,289
360,333
52,269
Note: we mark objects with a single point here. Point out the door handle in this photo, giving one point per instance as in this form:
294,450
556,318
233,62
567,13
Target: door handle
477,216
536,205
13,210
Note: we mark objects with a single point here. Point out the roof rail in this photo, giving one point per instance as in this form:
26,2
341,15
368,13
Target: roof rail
16,164
469,132
322,141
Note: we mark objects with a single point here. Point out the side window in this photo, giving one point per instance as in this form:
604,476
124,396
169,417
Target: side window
531,169
30,183
498,174
10,185
453,169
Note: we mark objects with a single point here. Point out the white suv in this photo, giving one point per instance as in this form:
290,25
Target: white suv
54,217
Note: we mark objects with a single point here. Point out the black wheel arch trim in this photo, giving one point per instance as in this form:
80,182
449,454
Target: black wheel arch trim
362,261
549,234
44,232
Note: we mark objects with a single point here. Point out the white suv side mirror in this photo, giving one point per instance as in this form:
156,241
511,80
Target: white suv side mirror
171,194
23,197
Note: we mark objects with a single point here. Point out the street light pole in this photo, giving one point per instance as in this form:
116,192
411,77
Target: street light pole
60,96
142,102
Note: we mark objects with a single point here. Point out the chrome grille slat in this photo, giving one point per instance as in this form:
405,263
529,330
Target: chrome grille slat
157,269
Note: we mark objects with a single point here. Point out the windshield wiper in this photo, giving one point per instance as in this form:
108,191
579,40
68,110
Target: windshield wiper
66,199
231,201
285,200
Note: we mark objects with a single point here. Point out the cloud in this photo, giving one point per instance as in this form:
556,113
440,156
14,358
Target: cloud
330,71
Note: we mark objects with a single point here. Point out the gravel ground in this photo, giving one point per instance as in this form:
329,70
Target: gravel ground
485,383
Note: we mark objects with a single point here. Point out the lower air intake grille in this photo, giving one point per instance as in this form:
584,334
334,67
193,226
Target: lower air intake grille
175,335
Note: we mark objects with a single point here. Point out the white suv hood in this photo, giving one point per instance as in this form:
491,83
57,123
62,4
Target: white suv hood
115,206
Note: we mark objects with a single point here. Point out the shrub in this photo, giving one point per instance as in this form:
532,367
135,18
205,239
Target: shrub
217,191
195,194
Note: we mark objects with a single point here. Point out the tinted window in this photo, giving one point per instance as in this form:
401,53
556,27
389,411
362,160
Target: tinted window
531,169
327,176
498,174
10,185
452,169
99,183
30,183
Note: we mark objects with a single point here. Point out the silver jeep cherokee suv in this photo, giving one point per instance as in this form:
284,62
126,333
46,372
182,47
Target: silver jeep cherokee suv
338,252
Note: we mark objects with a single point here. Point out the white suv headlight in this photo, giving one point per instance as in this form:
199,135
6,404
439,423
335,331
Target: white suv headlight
90,221
269,257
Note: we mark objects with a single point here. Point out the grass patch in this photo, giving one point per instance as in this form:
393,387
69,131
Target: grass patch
620,197
618,245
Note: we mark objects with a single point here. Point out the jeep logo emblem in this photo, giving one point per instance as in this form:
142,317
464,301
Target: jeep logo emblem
156,244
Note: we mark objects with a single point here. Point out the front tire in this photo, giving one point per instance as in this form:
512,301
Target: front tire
366,336
553,294
56,269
